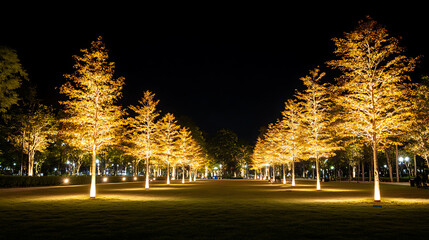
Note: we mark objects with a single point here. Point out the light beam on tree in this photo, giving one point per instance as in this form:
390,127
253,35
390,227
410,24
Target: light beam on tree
92,116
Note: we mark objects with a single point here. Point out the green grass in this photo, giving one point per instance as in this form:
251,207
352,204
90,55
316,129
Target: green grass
215,209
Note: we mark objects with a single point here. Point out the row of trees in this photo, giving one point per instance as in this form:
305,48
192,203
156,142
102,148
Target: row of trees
92,120
372,103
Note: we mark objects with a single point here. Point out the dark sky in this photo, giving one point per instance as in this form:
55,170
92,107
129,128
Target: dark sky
223,66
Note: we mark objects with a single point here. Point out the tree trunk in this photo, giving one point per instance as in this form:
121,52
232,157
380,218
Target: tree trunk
293,172
376,177
30,163
389,165
363,171
168,173
371,168
183,173
93,174
190,173
173,174
274,173
397,164
317,173
284,174
147,173
313,169
415,165
350,171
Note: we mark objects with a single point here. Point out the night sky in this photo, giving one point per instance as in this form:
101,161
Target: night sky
223,66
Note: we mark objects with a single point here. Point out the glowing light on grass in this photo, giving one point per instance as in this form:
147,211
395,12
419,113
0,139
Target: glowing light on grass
105,179
124,178
135,178
66,180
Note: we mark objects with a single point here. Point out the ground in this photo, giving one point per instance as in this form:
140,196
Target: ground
215,209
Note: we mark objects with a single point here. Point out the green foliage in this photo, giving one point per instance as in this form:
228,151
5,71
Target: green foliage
225,150
11,76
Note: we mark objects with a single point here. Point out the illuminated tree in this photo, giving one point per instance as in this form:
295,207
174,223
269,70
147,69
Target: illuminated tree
315,119
11,76
167,136
275,147
419,134
144,128
371,90
35,129
92,116
195,158
186,149
260,155
293,133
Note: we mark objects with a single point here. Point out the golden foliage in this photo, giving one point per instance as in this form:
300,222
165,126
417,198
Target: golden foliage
92,116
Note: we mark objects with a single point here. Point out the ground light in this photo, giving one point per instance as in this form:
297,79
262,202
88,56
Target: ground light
66,181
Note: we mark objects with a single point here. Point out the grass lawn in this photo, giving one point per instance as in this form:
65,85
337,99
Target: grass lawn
215,209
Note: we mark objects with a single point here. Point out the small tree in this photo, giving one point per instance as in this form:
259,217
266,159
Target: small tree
316,120
185,149
293,131
11,76
167,136
143,128
92,116
35,129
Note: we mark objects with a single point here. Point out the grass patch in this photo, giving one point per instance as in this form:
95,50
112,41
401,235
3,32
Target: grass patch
217,209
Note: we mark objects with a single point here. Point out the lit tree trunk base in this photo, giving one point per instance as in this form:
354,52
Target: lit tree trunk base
293,173
92,192
318,188
147,175
173,175
183,174
30,163
377,197
168,173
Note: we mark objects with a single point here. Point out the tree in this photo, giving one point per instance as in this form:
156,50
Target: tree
293,131
92,116
419,134
34,130
167,133
185,149
143,128
224,148
11,76
315,119
371,90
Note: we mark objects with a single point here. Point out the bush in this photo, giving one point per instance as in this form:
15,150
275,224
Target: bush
7,181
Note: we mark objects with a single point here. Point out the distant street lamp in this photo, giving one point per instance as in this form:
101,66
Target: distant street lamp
406,162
